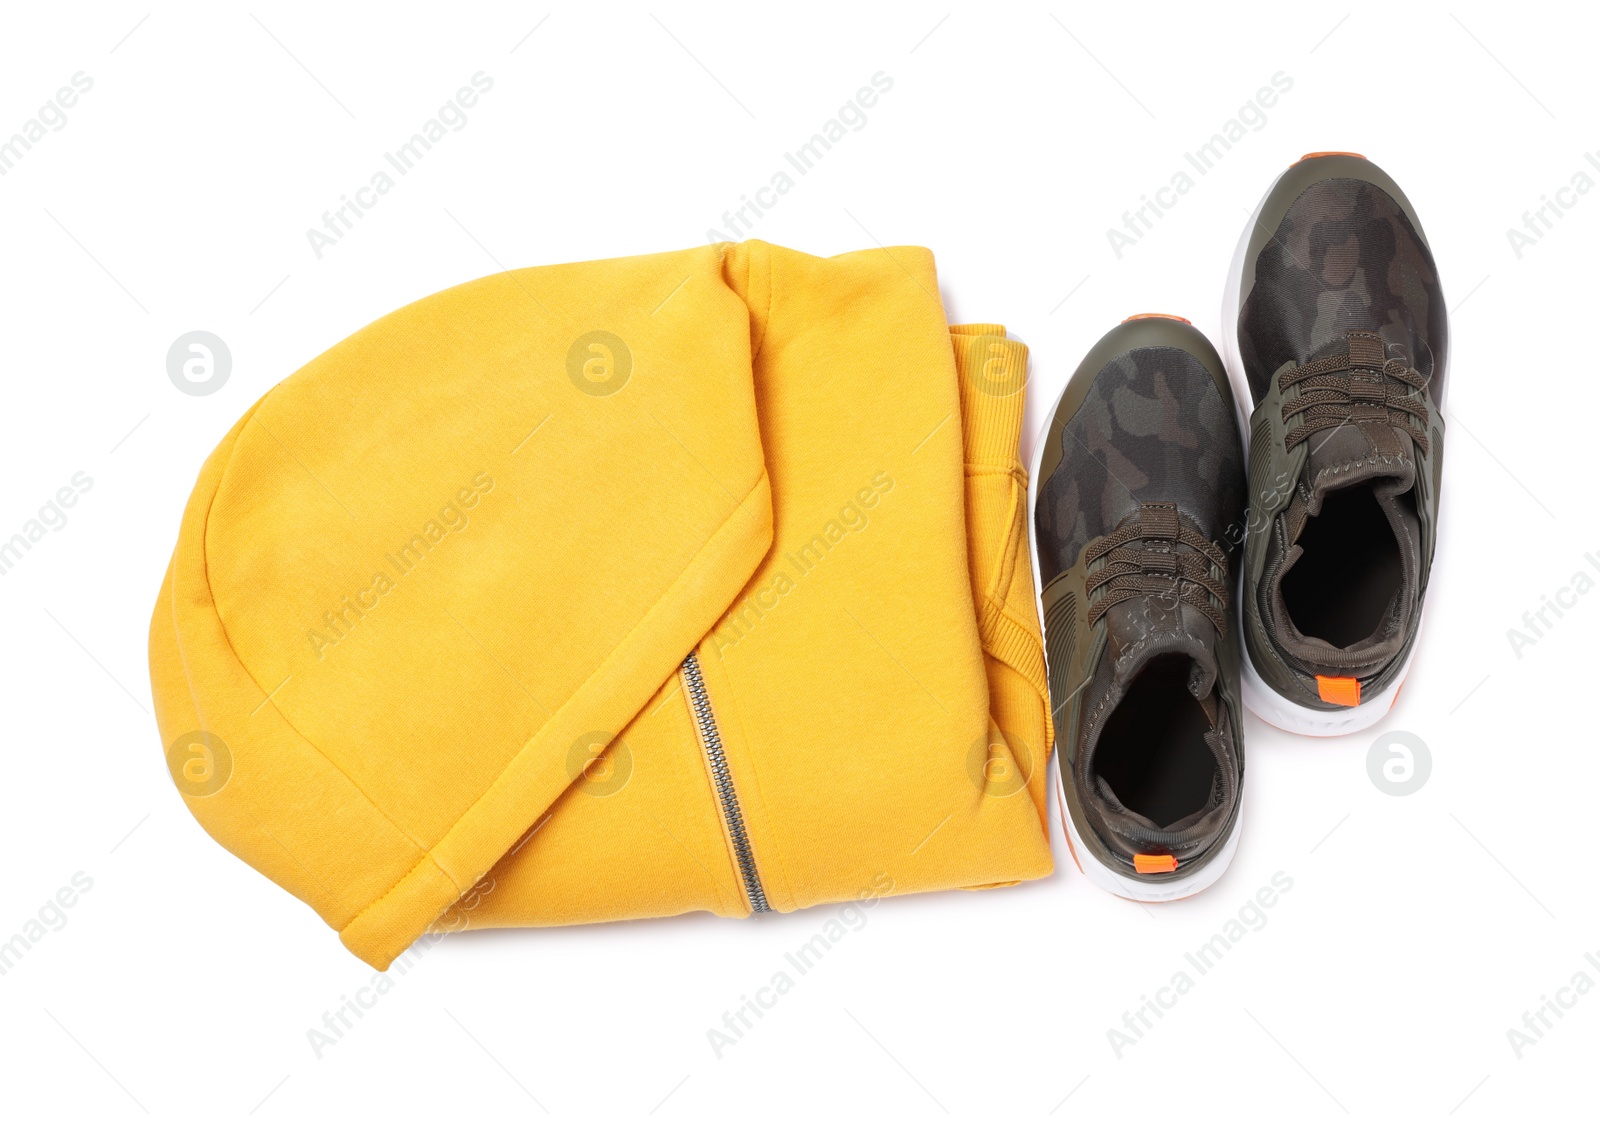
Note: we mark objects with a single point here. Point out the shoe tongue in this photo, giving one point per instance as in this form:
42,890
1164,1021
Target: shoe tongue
1147,627
1138,631
1365,448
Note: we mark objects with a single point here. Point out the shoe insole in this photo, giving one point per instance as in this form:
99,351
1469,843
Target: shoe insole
1342,586
1152,752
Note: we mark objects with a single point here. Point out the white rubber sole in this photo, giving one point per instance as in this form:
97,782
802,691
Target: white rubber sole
1259,698
1089,866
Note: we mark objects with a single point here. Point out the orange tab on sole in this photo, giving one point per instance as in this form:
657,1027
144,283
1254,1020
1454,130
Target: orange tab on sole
1330,153
1169,317
1154,864
1339,691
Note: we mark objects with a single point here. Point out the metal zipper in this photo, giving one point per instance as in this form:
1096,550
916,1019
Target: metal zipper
722,781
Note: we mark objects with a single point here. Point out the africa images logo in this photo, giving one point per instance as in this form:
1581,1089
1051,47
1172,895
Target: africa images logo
451,117
452,517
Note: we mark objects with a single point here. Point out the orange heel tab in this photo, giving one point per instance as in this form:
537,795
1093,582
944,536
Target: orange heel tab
1169,317
1339,691
1154,864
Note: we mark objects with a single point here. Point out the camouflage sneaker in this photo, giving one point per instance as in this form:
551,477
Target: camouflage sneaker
1334,327
1138,501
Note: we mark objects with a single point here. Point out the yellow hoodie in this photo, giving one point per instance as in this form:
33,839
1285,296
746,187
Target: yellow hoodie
691,581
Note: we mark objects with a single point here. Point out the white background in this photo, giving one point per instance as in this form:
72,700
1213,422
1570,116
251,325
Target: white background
177,196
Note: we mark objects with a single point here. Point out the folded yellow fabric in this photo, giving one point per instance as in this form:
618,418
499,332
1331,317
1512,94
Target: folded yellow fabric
422,654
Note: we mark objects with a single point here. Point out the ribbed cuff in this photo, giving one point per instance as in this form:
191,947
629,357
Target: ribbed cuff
992,372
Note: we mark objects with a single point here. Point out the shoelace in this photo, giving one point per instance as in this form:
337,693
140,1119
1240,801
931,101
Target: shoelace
1358,386
1173,559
